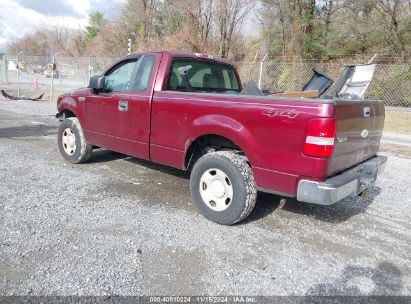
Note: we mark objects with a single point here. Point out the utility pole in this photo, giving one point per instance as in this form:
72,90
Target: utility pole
18,75
129,46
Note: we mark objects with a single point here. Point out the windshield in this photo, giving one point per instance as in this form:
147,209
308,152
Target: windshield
201,75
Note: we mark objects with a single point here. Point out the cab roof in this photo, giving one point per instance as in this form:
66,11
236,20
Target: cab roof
178,54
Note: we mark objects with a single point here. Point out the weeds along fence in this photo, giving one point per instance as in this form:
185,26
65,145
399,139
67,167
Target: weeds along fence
391,82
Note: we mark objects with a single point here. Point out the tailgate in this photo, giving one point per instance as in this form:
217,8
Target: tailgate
359,126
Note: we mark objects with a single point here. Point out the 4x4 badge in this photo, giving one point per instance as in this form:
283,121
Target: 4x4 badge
280,113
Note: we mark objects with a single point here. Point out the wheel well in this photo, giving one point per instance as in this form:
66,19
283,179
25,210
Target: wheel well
208,143
65,114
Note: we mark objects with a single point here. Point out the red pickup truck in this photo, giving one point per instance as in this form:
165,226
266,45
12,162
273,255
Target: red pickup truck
189,111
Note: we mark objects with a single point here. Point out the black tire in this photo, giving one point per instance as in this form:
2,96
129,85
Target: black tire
241,181
82,150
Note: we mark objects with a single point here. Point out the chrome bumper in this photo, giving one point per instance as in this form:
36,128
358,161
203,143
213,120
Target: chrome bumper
348,183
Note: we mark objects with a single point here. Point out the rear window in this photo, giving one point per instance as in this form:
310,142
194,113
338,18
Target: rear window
201,75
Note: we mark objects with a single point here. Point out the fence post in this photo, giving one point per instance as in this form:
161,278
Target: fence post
6,69
261,70
89,66
2,64
18,75
52,76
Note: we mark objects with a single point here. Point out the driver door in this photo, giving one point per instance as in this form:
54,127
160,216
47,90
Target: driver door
108,117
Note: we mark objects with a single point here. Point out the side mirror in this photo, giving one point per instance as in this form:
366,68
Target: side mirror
97,83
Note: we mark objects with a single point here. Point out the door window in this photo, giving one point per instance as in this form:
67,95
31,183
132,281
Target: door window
118,79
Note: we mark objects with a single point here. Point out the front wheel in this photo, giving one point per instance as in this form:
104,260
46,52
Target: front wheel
223,187
72,144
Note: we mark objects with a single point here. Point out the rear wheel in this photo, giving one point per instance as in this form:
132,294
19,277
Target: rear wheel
72,144
223,188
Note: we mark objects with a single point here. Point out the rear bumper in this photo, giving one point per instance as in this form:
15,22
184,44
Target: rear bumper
348,183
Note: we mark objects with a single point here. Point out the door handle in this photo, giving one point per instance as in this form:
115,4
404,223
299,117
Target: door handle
123,105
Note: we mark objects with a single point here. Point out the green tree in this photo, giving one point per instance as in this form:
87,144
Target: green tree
96,22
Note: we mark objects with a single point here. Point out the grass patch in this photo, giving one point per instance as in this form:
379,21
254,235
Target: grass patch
398,122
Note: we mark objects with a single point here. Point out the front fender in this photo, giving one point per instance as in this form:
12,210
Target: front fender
70,103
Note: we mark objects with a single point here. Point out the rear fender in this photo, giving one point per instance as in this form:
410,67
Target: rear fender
227,127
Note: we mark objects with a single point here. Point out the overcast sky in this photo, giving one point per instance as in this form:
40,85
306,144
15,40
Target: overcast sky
20,17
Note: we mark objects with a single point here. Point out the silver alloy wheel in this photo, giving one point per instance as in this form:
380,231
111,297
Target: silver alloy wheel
68,139
216,189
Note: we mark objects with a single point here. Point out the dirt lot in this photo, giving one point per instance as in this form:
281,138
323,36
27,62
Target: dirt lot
122,226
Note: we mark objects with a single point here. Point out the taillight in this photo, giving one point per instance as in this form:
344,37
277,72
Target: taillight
319,138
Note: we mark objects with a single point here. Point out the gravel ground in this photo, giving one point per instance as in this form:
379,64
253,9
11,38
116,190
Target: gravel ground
123,226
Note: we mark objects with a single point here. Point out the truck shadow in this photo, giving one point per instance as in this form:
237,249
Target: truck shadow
101,156
336,213
266,203
383,280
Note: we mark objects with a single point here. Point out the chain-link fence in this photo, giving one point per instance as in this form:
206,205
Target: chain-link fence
391,83
36,75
